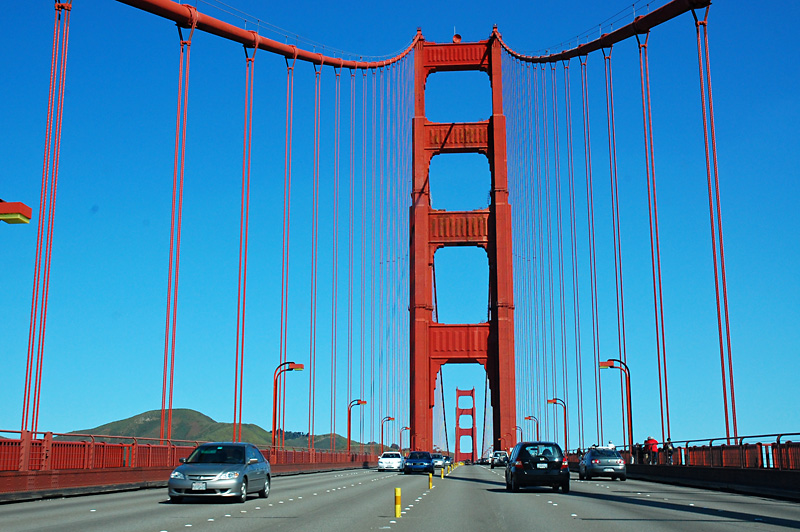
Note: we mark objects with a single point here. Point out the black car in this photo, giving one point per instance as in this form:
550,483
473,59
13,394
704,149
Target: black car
537,463
418,461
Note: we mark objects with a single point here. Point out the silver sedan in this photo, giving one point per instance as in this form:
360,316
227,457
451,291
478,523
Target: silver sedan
221,470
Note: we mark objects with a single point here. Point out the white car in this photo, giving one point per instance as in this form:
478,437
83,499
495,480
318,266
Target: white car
499,459
390,460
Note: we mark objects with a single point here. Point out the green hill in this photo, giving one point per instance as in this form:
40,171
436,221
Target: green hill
190,425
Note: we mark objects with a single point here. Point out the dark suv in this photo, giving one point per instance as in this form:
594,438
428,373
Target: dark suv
537,463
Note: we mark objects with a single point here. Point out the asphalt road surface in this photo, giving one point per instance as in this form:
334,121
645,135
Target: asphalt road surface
470,498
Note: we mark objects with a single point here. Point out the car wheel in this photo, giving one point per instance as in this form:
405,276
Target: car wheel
587,476
514,484
243,492
508,484
491,466
176,499
555,487
565,487
264,493
623,478
581,476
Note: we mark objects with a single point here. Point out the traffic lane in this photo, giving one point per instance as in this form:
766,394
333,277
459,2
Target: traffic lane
617,505
671,507
348,507
149,510
475,497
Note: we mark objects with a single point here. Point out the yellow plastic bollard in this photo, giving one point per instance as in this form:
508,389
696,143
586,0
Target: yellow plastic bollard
397,503
430,481
442,470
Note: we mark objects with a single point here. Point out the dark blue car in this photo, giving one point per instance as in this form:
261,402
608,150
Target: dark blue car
418,461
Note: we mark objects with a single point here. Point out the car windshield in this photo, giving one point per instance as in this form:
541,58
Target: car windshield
500,453
436,455
390,455
606,453
217,454
548,451
419,456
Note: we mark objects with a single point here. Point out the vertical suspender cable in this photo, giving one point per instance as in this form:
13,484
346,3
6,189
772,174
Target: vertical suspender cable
244,226
549,232
574,254
655,245
44,237
560,241
372,419
382,397
312,348
287,203
351,215
363,243
335,257
175,229
616,229
592,255
713,194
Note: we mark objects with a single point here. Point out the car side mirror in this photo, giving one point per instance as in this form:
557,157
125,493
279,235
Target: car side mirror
253,461
182,460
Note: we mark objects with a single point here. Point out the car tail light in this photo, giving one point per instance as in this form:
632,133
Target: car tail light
518,464
595,461
620,461
565,464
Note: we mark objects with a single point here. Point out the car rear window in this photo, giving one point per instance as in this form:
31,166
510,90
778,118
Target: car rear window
419,455
549,452
390,455
606,453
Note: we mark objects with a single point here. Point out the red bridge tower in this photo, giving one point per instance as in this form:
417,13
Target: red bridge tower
433,344
465,431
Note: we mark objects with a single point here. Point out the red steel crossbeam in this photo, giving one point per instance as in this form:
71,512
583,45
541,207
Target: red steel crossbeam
184,15
641,25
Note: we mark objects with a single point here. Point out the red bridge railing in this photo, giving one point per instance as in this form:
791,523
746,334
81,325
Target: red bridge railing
82,460
780,454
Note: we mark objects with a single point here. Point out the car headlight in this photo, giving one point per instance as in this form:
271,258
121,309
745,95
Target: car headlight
177,474
229,475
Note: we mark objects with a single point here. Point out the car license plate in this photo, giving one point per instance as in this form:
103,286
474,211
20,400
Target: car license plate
541,466
609,469
198,486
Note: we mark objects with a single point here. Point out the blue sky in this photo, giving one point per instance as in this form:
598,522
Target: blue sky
104,345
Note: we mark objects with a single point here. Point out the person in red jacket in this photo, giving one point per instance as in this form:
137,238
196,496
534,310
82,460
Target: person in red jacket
651,447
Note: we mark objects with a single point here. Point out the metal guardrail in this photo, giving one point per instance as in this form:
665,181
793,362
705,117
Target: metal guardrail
763,454
65,455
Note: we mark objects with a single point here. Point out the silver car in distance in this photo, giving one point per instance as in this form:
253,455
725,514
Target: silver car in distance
221,470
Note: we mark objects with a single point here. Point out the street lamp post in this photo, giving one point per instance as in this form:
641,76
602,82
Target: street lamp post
354,402
384,420
286,366
521,433
401,437
615,363
557,401
15,212
534,418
